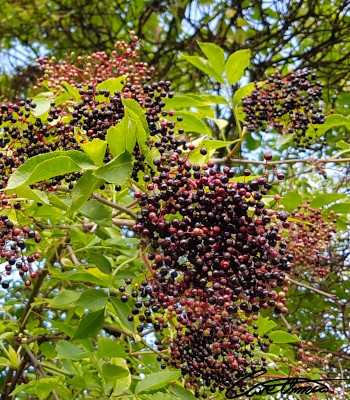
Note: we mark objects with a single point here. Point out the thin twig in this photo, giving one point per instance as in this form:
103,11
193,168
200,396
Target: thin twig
37,365
286,323
113,205
311,161
73,257
123,222
325,294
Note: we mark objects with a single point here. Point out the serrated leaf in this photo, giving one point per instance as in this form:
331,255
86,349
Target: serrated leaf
90,325
65,298
123,382
264,325
151,155
157,380
45,166
91,275
236,65
112,84
283,337
72,92
214,54
123,310
182,393
96,211
325,199
331,121
92,299
291,200
134,106
205,66
32,194
242,92
342,208
191,123
108,348
83,189
101,262
96,150
43,104
122,137
71,351
117,171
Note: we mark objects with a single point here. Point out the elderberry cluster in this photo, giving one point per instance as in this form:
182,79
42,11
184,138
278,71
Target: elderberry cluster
288,105
12,250
216,257
310,240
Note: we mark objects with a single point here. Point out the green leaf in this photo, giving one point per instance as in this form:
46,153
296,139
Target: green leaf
72,92
331,121
32,194
101,262
112,372
108,348
48,350
122,310
236,65
183,101
92,299
242,92
96,150
191,123
205,66
283,337
122,137
182,393
342,208
96,211
71,351
151,155
116,171
123,382
291,200
91,275
65,299
134,106
43,104
4,362
157,380
83,189
214,54
112,84
264,325
90,325
325,199
45,166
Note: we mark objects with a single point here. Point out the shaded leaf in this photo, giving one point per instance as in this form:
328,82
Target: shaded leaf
90,325
92,299
71,351
116,171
